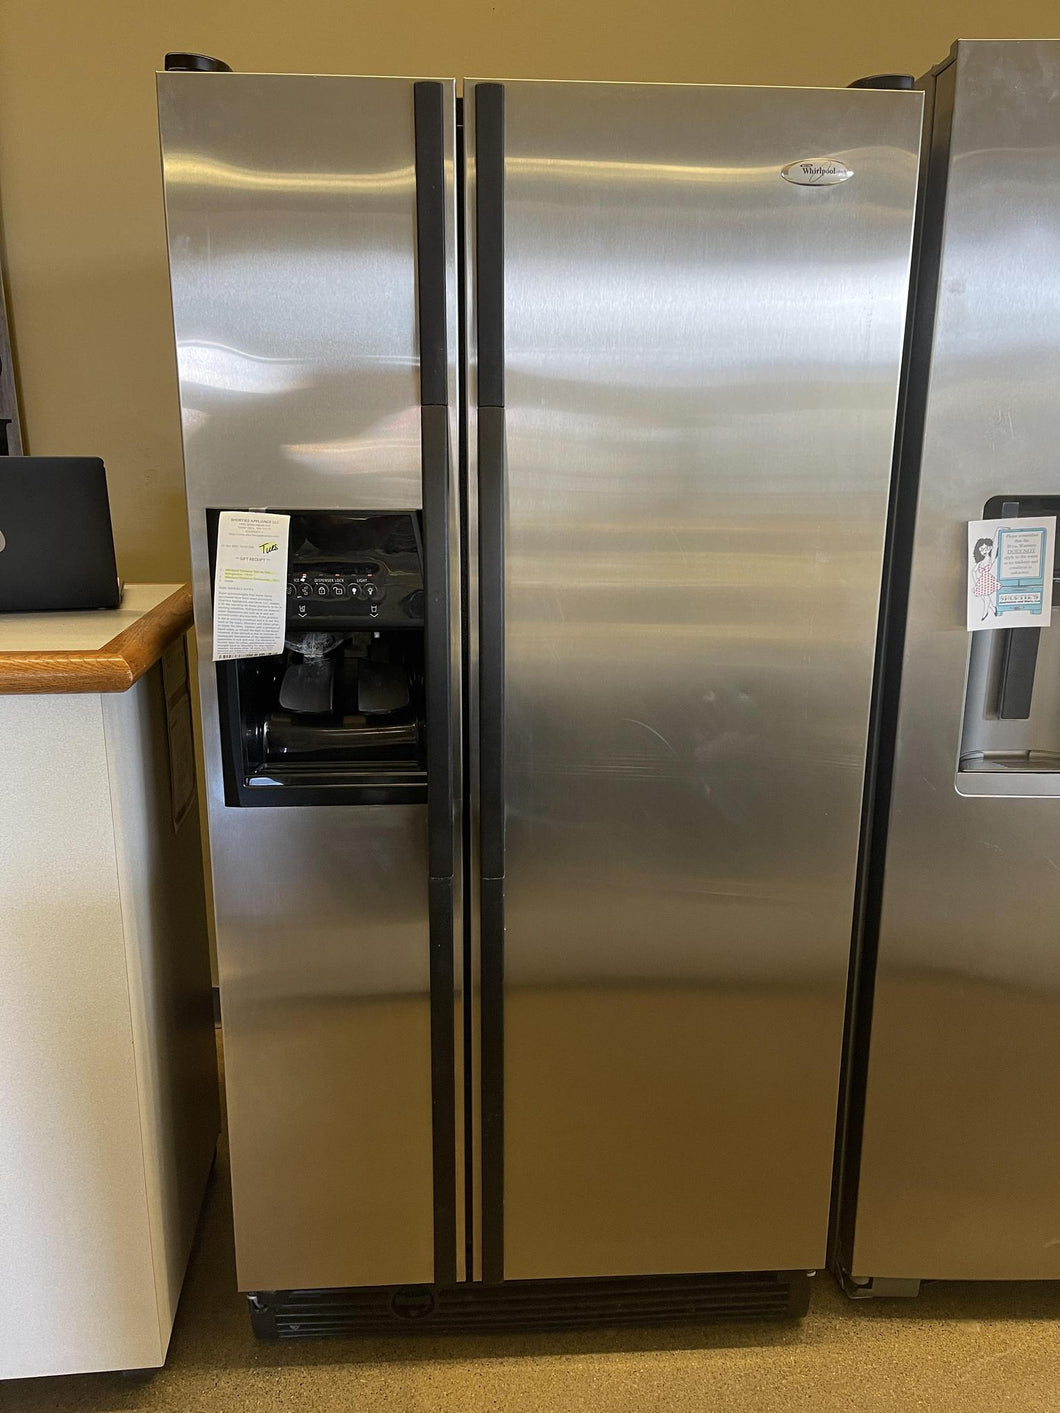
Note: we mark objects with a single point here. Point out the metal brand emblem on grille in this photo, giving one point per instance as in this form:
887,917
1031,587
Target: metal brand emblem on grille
816,171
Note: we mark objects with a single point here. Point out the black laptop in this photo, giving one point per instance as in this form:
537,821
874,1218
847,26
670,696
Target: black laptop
56,542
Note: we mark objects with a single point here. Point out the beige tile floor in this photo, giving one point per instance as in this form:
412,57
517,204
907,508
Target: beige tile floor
967,1348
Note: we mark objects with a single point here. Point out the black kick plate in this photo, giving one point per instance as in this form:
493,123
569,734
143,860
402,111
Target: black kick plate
529,1305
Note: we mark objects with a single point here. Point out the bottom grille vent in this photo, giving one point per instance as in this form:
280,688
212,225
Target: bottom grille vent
528,1305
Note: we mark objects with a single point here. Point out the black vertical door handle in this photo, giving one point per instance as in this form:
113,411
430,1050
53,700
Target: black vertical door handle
492,476
432,259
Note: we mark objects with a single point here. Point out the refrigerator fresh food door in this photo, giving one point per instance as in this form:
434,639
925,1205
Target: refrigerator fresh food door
311,225
684,364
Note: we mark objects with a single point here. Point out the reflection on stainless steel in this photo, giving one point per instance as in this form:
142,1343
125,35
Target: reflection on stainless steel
214,368
226,179
960,1168
702,366
324,987
291,219
291,210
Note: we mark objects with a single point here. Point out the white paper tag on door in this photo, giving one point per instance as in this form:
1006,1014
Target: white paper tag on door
250,584
1010,572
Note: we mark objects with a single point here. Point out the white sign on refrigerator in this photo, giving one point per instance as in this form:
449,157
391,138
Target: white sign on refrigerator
1010,572
250,584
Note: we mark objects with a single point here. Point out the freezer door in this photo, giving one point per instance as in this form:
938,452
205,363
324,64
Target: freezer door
959,1173
684,374
316,331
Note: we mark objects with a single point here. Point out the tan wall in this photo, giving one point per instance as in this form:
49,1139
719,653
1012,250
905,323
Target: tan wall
79,179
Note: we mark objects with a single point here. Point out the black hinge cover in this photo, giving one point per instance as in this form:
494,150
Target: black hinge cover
197,63
883,81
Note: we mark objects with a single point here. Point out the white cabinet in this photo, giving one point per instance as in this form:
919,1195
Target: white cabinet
108,1081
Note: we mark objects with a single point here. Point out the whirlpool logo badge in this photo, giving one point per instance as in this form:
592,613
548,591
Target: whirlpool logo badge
816,171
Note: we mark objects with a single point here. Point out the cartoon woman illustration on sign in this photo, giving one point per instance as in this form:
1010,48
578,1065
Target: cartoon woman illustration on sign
984,582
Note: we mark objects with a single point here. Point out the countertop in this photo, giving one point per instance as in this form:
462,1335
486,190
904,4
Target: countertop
102,650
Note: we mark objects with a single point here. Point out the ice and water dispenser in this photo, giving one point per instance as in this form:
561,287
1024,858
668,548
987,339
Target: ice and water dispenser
1012,701
339,716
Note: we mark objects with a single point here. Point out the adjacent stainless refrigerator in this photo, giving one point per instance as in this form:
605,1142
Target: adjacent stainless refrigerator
951,1160
533,929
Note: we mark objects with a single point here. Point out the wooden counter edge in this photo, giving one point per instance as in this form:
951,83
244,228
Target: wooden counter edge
112,668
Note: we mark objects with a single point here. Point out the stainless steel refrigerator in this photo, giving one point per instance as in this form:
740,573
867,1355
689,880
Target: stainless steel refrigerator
533,893
951,1160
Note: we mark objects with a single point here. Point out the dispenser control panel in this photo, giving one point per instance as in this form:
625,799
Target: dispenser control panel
354,571
318,588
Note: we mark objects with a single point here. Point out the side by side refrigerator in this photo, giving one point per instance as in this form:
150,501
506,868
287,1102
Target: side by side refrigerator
951,1155
534,852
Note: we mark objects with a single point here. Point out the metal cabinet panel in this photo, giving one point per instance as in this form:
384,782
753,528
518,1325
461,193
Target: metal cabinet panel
323,954
290,204
702,364
291,209
960,1164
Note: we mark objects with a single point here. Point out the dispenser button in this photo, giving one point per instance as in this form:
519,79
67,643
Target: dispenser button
371,591
322,590
338,591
